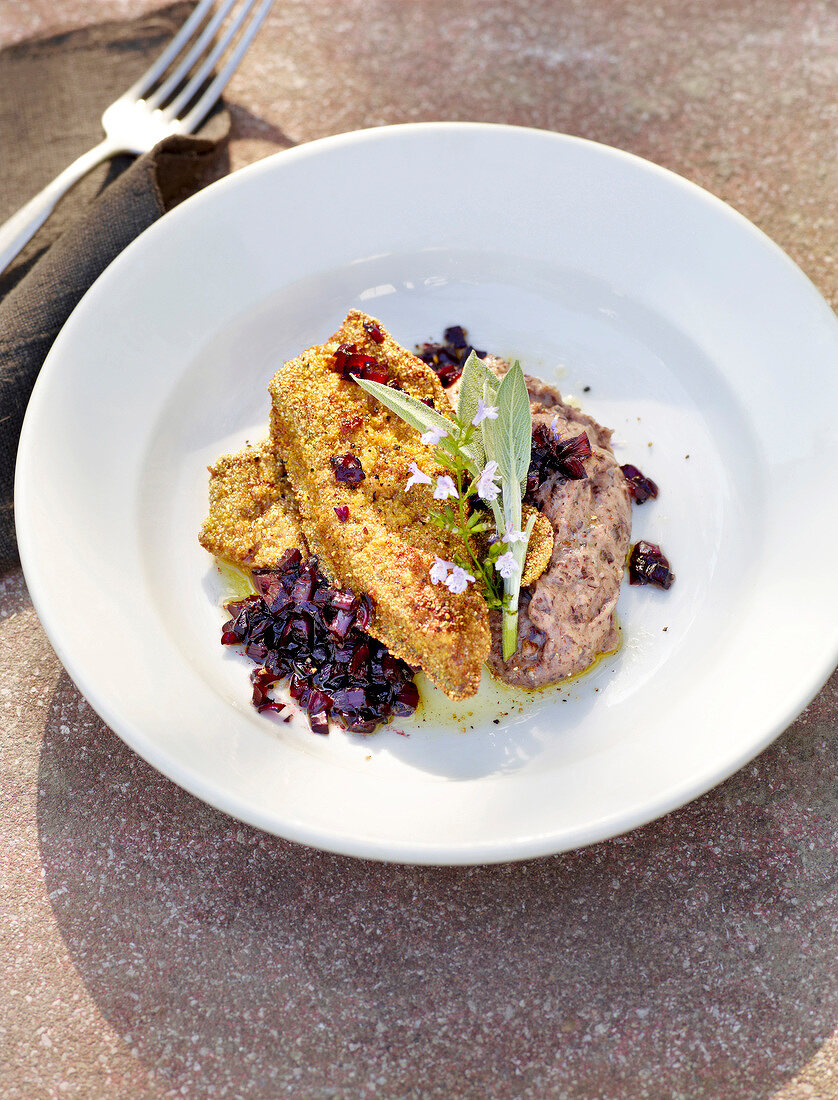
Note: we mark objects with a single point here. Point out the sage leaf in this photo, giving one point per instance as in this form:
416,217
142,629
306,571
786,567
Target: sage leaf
476,375
487,428
512,431
414,412
511,435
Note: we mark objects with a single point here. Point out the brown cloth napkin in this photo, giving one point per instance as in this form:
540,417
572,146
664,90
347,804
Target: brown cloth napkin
52,94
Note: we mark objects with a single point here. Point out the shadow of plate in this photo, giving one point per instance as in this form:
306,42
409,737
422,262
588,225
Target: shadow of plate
692,958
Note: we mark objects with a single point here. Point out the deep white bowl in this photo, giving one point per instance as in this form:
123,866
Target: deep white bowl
702,345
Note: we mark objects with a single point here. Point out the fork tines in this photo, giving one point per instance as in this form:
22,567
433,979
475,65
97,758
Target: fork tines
183,82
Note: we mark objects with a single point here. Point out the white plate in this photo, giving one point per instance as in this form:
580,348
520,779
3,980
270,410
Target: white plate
696,336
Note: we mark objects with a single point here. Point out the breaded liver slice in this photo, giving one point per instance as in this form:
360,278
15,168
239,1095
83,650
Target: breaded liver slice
253,515
387,545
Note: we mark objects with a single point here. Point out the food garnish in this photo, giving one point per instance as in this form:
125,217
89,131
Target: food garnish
649,565
302,629
640,487
449,357
487,450
347,468
373,330
551,455
349,360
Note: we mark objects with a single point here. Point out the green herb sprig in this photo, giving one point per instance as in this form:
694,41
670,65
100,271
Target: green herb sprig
489,441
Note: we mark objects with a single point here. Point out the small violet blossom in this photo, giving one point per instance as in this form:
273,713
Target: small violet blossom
433,436
512,535
506,565
459,580
485,484
417,477
439,570
445,488
554,425
484,412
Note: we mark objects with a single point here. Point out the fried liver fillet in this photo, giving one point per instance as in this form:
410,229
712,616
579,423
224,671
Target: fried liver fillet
253,515
386,545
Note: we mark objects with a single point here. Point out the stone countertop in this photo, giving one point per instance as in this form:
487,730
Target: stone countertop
154,948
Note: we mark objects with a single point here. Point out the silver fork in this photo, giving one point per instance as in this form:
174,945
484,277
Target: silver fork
148,111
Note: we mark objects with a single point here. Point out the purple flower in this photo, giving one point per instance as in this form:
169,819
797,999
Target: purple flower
417,477
433,436
485,484
459,580
439,570
484,412
512,535
445,488
506,565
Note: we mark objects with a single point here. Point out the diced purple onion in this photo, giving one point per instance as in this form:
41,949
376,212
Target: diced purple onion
365,609
344,601
314,636
350,699
349,360
406,700
455,336
318,720
649,565
342,623
303,587
374,332
640,487
377,373
288,560
448,358
550,455
348,468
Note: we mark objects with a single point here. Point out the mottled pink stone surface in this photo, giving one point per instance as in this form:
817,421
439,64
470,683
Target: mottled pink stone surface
153,948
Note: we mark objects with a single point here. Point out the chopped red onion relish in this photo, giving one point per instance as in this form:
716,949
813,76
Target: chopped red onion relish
448,358
640,487
348,468
342,623
377,373
648,565
363,616
344,601
350,360
374,332
455,336
342,512
406,700
315,636
262,681
551,455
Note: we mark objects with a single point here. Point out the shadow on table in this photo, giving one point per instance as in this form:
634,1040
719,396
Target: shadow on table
693,958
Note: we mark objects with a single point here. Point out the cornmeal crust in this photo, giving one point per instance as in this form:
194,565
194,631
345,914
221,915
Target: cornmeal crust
253,516
387,545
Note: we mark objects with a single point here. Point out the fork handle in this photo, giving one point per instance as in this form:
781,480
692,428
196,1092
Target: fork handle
21,226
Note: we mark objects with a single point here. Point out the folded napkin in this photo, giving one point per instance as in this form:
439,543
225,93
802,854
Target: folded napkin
52,94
